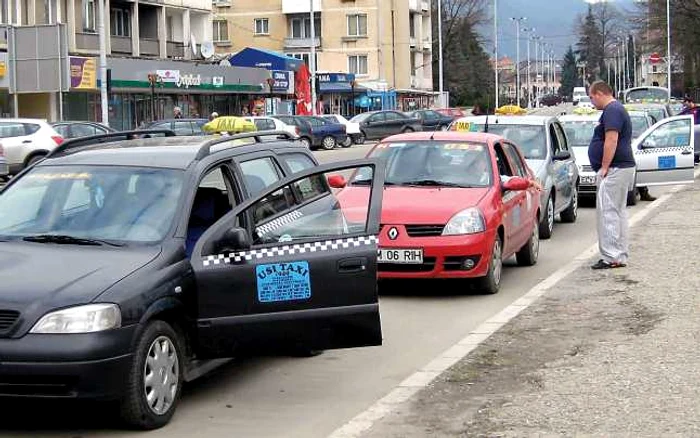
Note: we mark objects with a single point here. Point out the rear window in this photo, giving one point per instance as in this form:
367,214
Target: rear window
16,129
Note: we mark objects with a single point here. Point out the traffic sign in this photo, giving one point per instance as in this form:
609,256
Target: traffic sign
655,58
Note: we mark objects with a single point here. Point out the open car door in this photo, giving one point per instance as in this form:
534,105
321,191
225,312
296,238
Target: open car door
664,153
292,267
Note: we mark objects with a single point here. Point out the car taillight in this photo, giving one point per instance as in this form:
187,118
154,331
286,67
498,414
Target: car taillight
58,139
297,130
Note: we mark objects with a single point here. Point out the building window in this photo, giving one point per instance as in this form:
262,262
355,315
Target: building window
262,26
121,22
357,64
301,27
220,30
89,8
357,25
412,27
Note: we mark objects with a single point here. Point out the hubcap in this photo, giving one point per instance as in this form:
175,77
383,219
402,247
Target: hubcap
575,201
536,241
497,262
550,214
161,375
329,143
306,143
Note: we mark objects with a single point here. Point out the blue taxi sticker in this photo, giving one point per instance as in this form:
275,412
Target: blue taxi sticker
667,162
283,282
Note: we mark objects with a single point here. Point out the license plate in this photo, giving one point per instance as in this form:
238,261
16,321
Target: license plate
588,180
401,256
668,162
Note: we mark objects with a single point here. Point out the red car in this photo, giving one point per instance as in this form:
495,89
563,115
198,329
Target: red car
455,205
452,112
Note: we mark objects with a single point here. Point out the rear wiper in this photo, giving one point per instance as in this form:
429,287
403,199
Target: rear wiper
433,183
68,240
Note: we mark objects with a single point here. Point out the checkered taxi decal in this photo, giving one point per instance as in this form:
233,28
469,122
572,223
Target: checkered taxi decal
302,248
279,222
663,150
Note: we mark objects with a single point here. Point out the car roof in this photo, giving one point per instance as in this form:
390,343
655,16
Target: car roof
509,120
179,120
26,120
579,117
480,137
177,152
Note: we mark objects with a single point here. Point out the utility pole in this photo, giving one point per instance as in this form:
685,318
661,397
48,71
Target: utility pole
517,64
495,47
668,46
312,57
443,104
104,101
529,88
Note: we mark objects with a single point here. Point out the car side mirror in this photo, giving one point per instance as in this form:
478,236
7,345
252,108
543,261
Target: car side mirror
562,155
234,239
337,181
516,183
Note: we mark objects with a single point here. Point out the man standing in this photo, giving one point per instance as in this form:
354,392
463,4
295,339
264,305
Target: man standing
177,112
610,154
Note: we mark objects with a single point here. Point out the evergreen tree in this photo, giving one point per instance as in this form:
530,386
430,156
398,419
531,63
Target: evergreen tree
590,46
468,72
569,75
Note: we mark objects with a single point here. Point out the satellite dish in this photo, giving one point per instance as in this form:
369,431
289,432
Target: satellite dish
207,49
193,44
225,62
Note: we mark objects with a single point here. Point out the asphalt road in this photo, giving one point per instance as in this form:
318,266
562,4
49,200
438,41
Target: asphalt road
311,397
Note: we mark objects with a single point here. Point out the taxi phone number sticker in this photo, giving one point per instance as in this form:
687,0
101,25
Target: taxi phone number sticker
463,126
279,282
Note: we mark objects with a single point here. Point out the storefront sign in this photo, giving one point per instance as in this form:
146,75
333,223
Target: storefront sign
281,81
333,78
83,73
189,80
169,76
217,81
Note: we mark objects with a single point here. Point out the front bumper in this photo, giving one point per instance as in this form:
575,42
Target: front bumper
93,365
443,256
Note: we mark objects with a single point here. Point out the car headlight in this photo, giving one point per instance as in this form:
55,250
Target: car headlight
469,221
81,319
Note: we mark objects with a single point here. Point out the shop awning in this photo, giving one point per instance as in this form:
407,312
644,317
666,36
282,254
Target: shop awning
341,88
261,58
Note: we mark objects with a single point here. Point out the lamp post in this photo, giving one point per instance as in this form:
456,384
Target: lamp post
495,48
517,21
103,62
154,80
530,32
441,83
312,57
353,83
668,46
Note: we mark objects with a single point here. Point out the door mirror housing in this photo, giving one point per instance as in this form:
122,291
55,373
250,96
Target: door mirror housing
562,155
234,239
337,181
516,184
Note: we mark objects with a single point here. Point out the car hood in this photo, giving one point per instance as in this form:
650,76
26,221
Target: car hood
400,205
581,154
37,277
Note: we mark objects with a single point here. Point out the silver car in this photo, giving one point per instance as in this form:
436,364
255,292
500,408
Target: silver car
544,145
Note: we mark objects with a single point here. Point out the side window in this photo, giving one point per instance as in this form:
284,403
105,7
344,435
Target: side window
298,162
502,162
11,129
515,161
80,130
31,128
670,134
212,201
62,130
554,139
264,124
182,128
259,174
563,141
392,117
379,117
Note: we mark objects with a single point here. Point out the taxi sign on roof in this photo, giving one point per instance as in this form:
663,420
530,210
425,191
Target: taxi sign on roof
511,110
585,111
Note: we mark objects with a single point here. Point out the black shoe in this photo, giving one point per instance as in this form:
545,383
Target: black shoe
647,197
602,264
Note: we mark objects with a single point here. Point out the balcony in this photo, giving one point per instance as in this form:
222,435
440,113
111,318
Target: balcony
175,49
149,47
87,41
121,44
413,5
301,43
299,6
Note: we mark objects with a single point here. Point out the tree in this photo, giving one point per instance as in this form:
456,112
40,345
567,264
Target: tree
569,75
590,47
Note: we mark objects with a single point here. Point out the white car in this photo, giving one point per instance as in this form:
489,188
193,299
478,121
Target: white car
585,102
661,151
264,123
351,128
578,93
26,141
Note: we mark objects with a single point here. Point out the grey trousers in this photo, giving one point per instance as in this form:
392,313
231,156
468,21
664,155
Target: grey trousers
611,209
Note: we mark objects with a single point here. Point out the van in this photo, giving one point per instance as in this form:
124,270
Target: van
578,93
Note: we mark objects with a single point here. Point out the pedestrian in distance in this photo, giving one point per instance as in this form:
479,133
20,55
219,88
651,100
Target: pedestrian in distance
177,113
213,115
611,157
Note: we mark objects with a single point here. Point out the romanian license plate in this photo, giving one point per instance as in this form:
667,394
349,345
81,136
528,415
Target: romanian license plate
668,162
401,256
588,180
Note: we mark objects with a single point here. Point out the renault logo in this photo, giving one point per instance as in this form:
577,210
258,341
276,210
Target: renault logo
393,233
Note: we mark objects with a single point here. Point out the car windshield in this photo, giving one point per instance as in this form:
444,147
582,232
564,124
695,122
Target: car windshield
530,139
108,203
433,163
639,124
360,117
646,94
579,132
584,99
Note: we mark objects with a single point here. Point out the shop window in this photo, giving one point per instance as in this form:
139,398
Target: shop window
357,64
220,30
357,25
262,26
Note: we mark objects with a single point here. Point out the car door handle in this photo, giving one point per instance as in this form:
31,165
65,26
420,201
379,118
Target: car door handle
26,141
686,152
357,264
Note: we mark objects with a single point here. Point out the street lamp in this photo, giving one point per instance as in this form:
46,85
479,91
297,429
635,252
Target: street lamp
440,65
353,83
518,21
530,32
668,46
495,48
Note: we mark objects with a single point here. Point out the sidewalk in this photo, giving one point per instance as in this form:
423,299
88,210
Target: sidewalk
611,353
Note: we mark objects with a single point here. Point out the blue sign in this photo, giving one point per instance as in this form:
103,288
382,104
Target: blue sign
334,78
668,162
281,80
283,282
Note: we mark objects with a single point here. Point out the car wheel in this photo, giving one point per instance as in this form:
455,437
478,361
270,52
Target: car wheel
633,197
328,143
360,138
347,143
154,380
35,159
408,129
528,254
305,142
547,221
571,213
491,283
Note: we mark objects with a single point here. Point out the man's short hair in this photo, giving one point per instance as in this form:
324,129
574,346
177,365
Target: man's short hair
601,87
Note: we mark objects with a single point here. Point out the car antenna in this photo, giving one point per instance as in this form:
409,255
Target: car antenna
486,125
434,131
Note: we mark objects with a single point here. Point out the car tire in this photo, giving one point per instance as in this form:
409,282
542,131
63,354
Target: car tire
328,143
491,283
571,213
136,409
305,142
347,143
360,138
528,254
547,221
633,197
407,130
35,158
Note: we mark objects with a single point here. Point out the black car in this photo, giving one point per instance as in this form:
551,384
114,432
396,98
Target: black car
68,129
186,127
550,100
380,124
129,263
431,120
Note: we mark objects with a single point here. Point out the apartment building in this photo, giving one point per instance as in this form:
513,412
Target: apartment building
386,44
161,37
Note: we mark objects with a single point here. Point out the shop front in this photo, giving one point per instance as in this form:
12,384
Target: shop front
339,93
5,98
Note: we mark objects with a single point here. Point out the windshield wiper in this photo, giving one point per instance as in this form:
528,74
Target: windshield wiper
434,183
69,240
